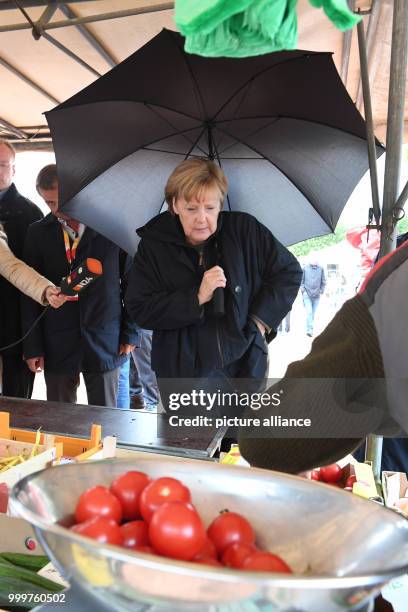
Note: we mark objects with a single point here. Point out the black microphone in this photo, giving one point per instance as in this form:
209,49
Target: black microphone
81,277
218,302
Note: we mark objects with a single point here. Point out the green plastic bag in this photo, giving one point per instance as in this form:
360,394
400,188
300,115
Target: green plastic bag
242,28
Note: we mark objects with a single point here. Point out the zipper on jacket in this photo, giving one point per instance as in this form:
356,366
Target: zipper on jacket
201,263
217,330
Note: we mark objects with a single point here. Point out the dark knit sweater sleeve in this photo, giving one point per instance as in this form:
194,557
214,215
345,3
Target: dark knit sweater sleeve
346,365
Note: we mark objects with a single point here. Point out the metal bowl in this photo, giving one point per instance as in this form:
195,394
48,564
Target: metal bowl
342,548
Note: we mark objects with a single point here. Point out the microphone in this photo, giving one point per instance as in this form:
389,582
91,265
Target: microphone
218,302
81,277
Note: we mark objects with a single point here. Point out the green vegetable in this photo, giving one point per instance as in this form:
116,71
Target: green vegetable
8,570
33,562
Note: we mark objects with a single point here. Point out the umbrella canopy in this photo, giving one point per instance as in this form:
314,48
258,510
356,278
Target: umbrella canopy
282,126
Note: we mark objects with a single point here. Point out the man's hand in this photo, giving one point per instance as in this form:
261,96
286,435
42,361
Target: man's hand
54,297
125,349
36,364
212,279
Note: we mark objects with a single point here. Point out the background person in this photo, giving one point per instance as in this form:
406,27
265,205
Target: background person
312,287
27,280
189,252
16,214
138,388
91,334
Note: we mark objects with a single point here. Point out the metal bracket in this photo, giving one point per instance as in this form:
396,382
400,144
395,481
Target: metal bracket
38,26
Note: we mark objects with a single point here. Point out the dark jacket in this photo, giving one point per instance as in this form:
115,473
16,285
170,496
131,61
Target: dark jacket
189,341
81,336
16,214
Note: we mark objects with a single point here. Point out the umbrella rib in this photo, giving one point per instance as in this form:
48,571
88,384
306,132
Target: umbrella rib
280,170
261,72
172,126
190,70
195,143
243,97
275,120
277,117
168,151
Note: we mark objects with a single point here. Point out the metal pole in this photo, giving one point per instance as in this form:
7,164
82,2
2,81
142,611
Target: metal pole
402,199
395,126
12,129
166,6
8,5
368,112
93,41
345,56
69,53
372,28
27,80
395,123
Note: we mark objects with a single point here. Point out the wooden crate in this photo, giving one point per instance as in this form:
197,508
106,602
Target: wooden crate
45,455
71,447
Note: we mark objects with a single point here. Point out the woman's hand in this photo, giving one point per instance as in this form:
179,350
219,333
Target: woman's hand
212,279
54,297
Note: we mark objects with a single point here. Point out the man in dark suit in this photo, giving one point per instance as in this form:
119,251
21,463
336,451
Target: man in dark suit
16,214
91,335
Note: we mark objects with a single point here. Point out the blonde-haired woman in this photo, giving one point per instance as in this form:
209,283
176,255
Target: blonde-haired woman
188,253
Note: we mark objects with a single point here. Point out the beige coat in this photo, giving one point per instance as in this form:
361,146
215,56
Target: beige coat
20,275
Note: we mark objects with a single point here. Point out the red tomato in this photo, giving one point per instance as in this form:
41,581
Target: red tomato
331,473
266,562
350,481
315,475
98,501
160,491
135,534
104,530
228,528
207,561
127,488
235,555
208,551
176,531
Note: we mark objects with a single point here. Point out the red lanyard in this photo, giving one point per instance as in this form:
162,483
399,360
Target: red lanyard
70,253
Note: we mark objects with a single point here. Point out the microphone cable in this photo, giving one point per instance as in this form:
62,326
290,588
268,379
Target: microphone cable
4,348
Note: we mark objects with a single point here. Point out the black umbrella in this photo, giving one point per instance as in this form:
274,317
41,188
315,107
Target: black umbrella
282,126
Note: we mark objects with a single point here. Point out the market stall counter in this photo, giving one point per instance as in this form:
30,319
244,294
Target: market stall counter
135,430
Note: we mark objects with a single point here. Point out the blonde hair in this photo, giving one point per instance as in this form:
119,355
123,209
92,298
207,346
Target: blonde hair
190,178
9,146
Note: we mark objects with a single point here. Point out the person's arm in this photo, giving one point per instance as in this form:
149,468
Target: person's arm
341,379
23,277
30,310
281,275
150,305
